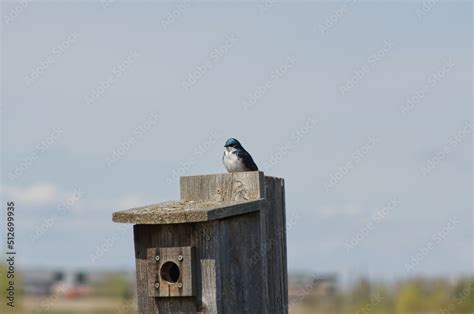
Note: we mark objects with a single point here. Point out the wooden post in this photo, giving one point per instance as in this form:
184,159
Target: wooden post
220,249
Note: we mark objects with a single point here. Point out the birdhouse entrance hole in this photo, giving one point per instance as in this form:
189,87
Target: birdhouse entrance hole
170,272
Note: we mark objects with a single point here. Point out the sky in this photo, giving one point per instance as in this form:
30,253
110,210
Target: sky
364,108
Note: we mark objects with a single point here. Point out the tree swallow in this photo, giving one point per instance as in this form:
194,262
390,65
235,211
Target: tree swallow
236,158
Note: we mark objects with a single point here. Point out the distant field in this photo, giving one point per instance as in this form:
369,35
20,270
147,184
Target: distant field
94,305
78,305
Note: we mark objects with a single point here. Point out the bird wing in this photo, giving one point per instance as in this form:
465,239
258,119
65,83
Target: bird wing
247,160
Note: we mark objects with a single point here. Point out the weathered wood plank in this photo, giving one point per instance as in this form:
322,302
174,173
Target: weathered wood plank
206,238
142,240
209,286
223,187
186,211
173,236
152,273
177,280
241,284
275,245
240,259
203,236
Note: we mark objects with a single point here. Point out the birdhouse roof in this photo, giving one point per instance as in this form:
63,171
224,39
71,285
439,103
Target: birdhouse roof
186,211
204,198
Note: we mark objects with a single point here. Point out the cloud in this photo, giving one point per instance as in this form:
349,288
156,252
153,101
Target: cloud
34,195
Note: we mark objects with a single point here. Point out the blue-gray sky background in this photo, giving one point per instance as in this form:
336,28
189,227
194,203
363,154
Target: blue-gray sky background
304,126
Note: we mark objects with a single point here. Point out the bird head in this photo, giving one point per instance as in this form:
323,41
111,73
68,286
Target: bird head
232,142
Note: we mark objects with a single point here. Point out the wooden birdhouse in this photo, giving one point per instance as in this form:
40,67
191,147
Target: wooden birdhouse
220,249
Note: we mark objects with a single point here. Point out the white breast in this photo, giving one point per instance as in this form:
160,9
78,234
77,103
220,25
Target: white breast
231,162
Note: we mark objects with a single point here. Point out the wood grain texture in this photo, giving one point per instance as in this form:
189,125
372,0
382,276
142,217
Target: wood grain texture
185,284
152,274
209,286
223,187
142,240
240,260
175,212
241,285
274,230
204,237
